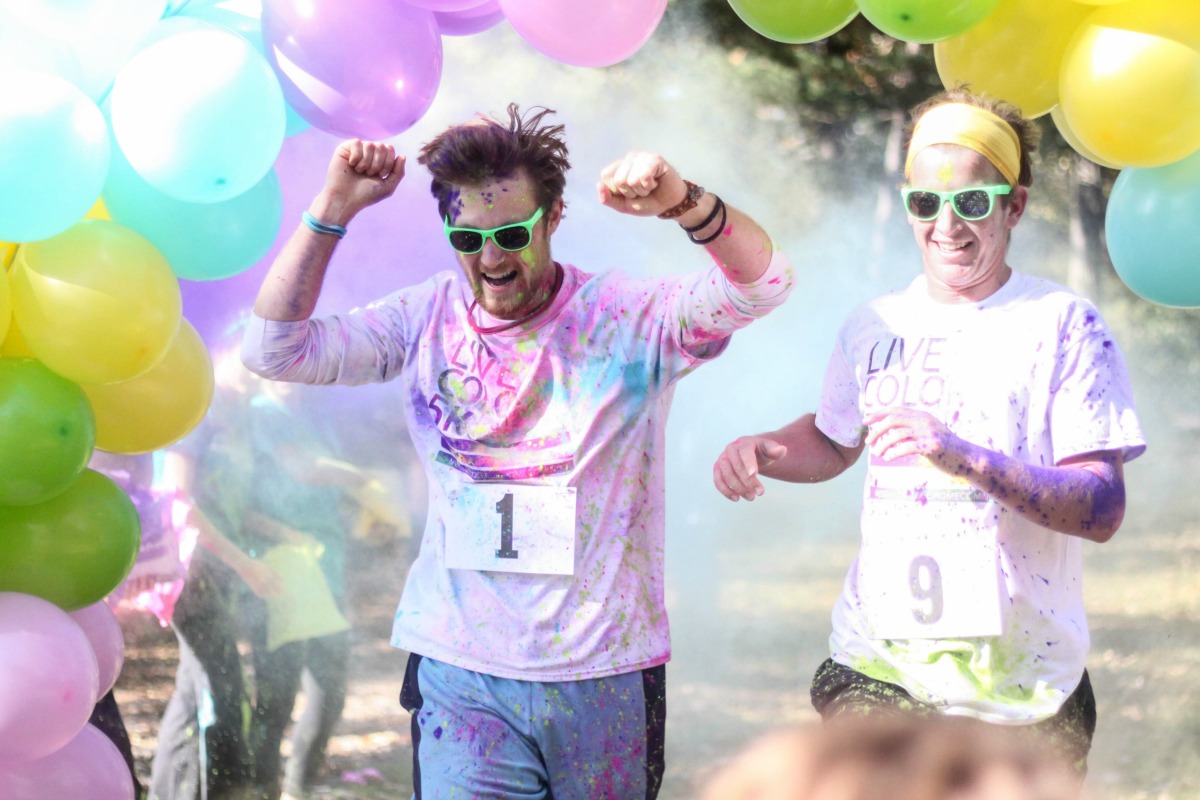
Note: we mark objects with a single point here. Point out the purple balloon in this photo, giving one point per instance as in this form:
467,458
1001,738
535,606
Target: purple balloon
49,678
444,5
89,766
103,630
369,74
469,21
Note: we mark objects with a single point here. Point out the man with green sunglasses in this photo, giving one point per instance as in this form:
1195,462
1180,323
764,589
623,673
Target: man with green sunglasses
997,414
537,394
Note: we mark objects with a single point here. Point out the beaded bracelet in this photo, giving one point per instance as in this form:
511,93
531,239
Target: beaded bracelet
317,226
694,193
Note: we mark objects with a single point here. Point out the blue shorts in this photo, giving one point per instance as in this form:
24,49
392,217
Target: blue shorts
480,737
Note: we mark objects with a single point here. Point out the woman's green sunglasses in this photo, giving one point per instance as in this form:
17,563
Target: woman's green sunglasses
972,203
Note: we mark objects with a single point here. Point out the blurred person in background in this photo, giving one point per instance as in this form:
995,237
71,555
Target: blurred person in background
296,519
203,750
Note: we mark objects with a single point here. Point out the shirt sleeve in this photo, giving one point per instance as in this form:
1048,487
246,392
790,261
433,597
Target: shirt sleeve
1092,407
364,346
839,415
712,307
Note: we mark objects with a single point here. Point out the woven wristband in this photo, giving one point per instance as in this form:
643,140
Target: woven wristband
694,193
317,226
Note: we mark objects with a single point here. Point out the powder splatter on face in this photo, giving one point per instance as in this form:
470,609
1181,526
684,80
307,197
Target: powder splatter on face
946,172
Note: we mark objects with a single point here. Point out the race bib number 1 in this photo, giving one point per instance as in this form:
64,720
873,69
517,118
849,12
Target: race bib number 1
504,527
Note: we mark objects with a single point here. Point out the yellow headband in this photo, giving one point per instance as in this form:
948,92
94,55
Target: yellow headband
972,127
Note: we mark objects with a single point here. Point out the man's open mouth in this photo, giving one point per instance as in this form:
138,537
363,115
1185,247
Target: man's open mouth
499,280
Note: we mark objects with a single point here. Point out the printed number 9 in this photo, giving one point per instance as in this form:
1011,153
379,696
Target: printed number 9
925,583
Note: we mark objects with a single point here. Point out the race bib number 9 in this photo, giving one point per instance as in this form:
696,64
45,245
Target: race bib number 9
502,527
934,588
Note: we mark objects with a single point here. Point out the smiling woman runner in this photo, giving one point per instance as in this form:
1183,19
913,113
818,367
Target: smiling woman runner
997,415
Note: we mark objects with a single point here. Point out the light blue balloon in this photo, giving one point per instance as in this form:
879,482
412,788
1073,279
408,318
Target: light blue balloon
1153,231
244,19
201,241
54,150
199,114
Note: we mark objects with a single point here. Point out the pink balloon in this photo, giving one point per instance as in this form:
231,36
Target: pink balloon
469,21
370,74
89,766
104,632
49,678
585,33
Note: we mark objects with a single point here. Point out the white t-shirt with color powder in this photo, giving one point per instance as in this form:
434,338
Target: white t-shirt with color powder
964,603
542,556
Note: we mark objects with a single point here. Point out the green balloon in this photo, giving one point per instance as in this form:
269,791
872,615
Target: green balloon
47,432
926,21
72,550
795,21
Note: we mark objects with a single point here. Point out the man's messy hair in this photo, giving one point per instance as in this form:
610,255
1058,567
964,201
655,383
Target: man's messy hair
486,149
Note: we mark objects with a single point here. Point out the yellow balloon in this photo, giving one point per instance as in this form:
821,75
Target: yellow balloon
14,345
1071,138
1130,82
8,251
5,305
98,211
96,303
1014,54
160,406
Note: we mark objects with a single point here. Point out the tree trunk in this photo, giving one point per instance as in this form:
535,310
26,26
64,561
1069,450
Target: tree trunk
885,200
1088,258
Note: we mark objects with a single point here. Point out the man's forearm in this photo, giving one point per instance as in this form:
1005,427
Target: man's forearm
739,245
1084,498
291,288
812,457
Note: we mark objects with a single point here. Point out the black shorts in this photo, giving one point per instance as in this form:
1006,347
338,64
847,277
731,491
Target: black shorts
838,690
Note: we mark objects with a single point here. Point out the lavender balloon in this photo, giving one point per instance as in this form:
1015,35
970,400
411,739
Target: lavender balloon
370,74
444,5
469,21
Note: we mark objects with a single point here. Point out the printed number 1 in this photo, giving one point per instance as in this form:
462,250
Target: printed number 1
505,509
925,583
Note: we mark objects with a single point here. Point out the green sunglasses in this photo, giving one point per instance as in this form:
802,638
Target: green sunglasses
511,237
972,203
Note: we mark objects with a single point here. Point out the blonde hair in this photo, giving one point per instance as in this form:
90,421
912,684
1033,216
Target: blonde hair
1026,132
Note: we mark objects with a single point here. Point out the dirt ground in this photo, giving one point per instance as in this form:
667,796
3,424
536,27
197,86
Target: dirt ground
743,655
